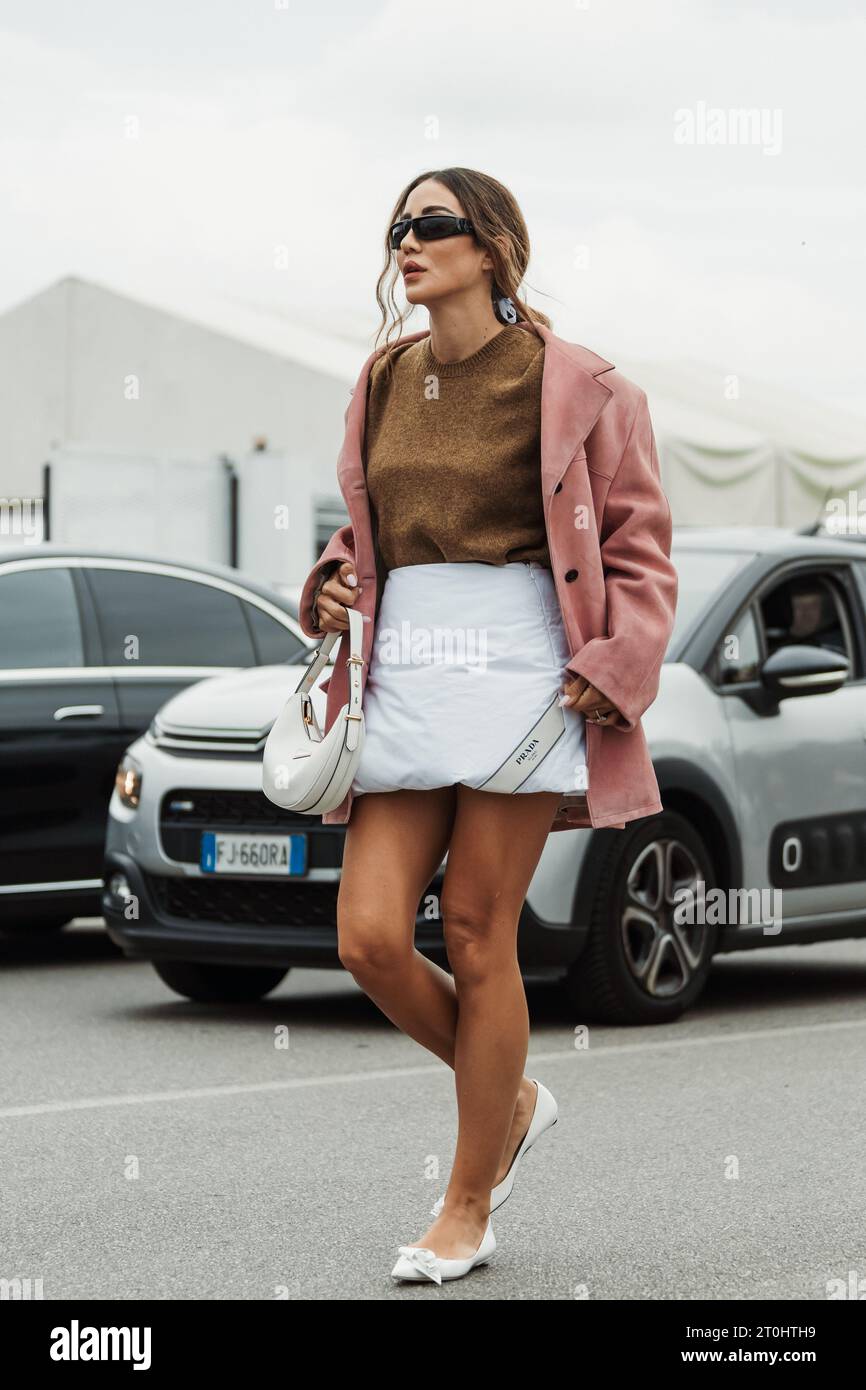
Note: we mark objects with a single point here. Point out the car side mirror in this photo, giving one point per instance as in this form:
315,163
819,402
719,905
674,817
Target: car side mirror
799,670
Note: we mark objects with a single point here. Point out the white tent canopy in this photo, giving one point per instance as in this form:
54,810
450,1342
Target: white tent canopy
217,371
735,451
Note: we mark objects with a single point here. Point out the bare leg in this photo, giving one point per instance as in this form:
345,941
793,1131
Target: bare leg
395,842
495,846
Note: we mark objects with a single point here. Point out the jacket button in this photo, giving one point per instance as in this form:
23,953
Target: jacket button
571,574
558,487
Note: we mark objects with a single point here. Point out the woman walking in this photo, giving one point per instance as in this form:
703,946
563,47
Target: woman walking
509,550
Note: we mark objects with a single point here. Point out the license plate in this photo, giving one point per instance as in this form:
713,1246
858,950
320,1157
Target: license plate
253,854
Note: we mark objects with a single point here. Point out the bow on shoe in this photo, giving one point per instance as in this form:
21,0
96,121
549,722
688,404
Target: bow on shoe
423,1259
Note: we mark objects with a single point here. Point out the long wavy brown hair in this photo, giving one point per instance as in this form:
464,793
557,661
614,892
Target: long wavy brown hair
499,227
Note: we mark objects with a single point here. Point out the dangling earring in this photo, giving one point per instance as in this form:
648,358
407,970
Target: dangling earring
503,307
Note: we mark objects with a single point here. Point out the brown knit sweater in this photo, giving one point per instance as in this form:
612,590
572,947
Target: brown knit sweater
452,454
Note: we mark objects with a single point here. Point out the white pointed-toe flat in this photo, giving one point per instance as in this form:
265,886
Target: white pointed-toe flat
416,1262
544,1116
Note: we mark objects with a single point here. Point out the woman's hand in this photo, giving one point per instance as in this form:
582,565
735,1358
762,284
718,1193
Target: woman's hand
339,592
588,701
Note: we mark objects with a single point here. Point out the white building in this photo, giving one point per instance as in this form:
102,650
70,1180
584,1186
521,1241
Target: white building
142,398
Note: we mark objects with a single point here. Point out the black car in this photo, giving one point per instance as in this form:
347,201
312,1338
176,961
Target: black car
92,643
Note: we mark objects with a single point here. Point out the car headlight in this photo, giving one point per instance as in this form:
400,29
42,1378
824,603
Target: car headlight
127,782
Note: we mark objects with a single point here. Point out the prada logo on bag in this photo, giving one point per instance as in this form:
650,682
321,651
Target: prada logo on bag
527,750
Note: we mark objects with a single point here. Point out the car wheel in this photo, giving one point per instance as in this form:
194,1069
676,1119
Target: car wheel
218,984
640,965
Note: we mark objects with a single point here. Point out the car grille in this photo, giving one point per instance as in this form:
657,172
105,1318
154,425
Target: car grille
186,811
251,903
266,904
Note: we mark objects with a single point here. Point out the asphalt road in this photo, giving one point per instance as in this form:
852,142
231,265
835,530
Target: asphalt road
152,1148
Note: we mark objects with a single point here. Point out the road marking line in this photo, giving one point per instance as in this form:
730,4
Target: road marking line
345,1078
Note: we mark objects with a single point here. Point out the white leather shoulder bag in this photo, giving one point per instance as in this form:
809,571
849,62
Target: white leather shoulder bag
303,769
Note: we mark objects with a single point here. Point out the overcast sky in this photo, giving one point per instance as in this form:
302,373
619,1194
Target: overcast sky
166,147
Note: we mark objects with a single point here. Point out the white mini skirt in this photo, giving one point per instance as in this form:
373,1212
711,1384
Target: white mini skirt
466,658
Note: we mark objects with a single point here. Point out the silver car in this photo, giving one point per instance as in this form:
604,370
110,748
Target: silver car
758,737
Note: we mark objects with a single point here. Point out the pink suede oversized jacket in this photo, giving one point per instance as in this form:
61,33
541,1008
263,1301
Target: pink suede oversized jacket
609,531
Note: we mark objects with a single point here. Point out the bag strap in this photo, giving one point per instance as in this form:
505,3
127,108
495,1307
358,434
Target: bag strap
354,661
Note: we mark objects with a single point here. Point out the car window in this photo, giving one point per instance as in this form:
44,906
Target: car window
701,574
807,610
39,620
274,643
157,620
737,657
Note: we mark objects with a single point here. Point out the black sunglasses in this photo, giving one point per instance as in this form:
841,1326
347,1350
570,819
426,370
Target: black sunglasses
431,228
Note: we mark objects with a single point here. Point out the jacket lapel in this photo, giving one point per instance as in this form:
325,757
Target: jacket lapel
572,398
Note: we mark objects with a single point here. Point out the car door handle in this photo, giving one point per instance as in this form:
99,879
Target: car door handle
79,711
